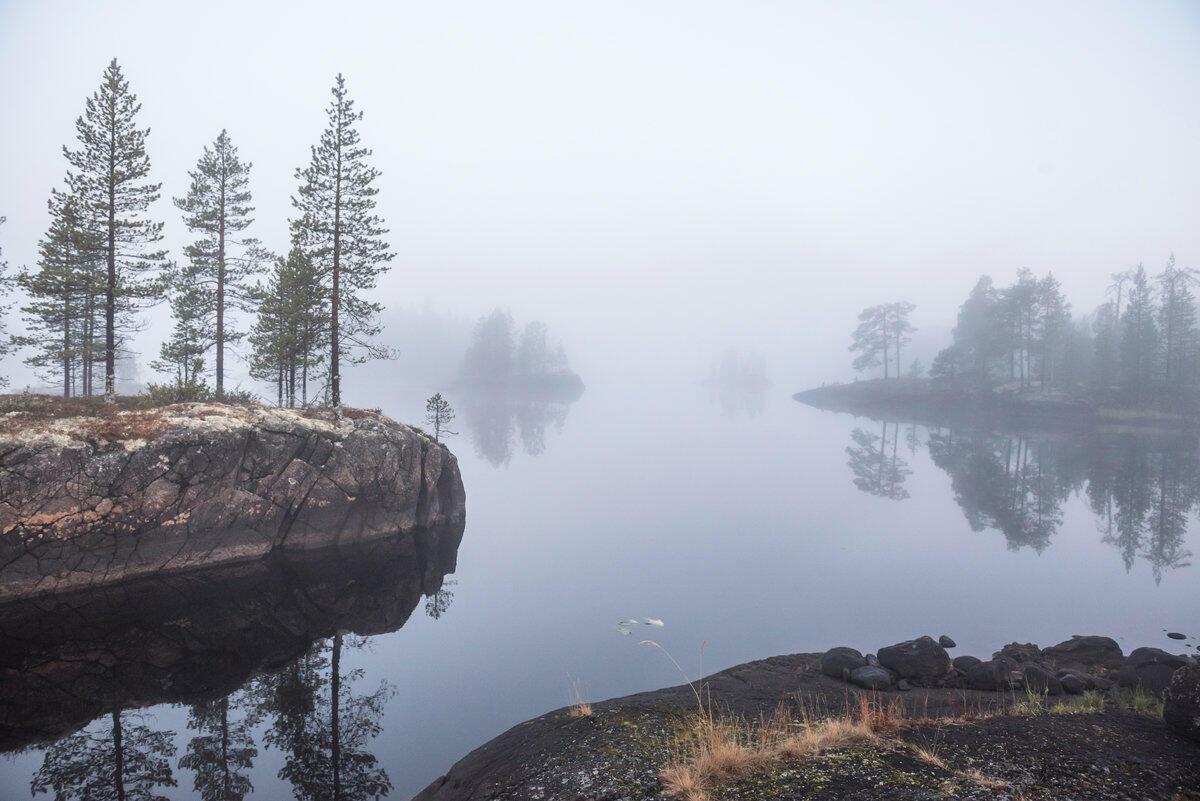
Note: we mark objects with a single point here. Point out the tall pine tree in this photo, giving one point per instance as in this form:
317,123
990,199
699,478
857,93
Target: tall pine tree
290,336
108,173
5,287
217,209
338,229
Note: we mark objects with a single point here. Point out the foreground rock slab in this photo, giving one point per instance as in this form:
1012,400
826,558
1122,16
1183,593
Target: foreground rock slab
92,500
982,751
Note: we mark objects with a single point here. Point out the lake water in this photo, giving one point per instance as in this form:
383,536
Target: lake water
747,521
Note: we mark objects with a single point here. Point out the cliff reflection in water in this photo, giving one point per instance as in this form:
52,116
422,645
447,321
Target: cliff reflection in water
255,652
1142,488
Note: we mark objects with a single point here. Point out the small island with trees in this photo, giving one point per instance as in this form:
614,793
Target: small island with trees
1018,356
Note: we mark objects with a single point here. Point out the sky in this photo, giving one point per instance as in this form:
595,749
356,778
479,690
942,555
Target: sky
660,181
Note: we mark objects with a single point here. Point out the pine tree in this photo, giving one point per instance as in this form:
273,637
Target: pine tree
439,414
1177,324
108,173
5,288
870,339
338,228
217,209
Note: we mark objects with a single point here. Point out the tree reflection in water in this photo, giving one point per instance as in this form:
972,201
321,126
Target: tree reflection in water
1142,488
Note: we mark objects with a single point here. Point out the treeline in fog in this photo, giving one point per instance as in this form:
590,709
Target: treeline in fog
1141,347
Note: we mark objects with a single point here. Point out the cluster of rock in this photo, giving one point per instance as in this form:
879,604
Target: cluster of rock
1080,664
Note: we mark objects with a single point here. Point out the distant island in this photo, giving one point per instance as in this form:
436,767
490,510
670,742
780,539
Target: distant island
1018,356
499,361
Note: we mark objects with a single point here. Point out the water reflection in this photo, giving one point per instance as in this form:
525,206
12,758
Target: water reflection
255,651
1143,488
498,419
875,463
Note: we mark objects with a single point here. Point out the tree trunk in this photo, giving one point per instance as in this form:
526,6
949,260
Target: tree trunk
110,289
118,757
221,288
335,691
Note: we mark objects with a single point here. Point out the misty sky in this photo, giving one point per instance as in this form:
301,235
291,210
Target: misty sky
658,180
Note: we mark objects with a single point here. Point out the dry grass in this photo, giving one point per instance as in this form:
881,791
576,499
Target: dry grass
929,756
717,750
977,776
579,707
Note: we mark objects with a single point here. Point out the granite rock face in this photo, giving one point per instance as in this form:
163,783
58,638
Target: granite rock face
191,485
1181,705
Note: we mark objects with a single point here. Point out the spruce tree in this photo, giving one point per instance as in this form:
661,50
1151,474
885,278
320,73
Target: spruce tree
57,292
1139,338
109,171
191,299
290,336
338,229
217,209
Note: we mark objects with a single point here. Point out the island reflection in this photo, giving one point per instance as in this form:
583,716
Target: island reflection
1143,488
256,653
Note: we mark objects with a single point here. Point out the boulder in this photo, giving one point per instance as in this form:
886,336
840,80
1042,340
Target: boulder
1181,703
1073,684
836,661
1085,654
91,501
1040,680
947,642
1151,669
921,660
997,674
965,663
871,677
1175,635
1021,653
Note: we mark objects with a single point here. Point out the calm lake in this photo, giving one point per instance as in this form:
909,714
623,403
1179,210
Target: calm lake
747,521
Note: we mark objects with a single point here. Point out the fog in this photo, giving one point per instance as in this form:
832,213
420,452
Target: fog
661,182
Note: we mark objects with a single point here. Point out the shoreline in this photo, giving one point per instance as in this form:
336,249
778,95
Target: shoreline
928,739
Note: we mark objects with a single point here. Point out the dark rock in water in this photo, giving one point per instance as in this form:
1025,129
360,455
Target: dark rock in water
1181,703
965,663
197,485
947,642
1085,654
921,660
1150,669
837,661
1075,685
871,677
1175,635
1021,653
998,674
1040,680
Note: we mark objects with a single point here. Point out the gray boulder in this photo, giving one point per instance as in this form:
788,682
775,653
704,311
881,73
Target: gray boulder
871,677
1040,680
1073,684
922,660
1085,654
1151,669
965,663
997,674
1021,653
947,642
837,661
1181,704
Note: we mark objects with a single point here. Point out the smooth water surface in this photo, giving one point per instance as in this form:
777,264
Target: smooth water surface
748,521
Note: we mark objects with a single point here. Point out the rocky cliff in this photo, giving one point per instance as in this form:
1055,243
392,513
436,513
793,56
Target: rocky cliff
98,498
